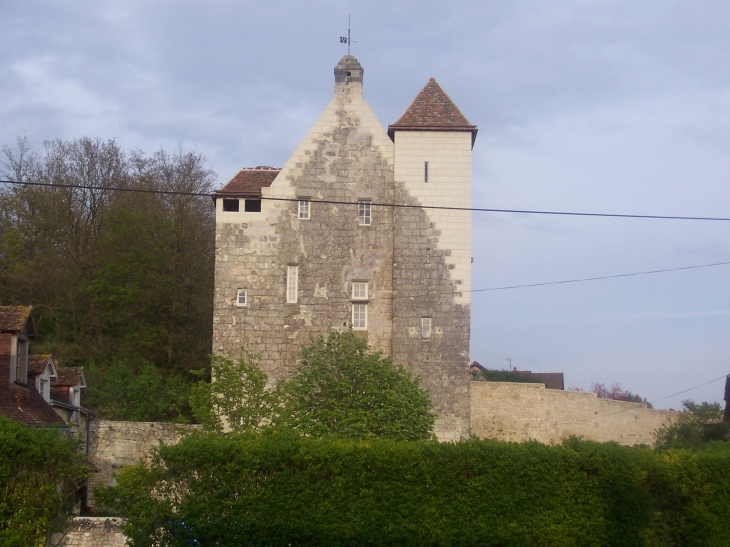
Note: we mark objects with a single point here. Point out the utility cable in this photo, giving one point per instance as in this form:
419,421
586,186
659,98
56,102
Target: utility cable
375,204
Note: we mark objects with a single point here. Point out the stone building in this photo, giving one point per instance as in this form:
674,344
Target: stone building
338,238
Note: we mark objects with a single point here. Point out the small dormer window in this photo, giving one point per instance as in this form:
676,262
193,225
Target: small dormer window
230,205
21,360
252,206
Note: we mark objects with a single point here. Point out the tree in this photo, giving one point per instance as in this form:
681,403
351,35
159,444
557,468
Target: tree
121,282
40,472
236,397
342,389
699,424
615,393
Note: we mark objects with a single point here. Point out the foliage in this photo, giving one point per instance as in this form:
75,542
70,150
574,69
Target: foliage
342,389
617,393
237,397
114,277
495,375
697,425
40,473
281,489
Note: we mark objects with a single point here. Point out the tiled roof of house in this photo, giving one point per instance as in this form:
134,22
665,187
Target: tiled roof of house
27,406
248,182
38,363
552,380
432,110
13,318
67,377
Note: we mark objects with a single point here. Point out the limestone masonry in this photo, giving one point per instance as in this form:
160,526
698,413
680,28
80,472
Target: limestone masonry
300,267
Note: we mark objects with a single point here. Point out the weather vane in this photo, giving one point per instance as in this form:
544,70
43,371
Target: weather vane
346,39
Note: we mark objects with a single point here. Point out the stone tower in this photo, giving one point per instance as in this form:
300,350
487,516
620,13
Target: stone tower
291,265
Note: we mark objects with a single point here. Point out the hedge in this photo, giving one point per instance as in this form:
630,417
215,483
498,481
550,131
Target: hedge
278,489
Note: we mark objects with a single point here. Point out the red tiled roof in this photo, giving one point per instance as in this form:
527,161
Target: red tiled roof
27,406
67,377
432,110
248,182
14,318
38,363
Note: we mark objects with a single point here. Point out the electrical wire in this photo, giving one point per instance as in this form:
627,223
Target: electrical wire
375,204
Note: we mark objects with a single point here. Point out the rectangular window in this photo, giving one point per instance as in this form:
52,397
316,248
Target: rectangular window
21,362
359,316
44,389
252,206
241,298
303,210
363,213
230,205
292,284
359,290
425,171
425,327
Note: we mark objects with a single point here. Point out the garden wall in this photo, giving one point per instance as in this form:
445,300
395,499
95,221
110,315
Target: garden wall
520,412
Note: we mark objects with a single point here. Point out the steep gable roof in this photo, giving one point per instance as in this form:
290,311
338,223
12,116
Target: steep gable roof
37,364
432,110
29,407
248,182
15,319
69,377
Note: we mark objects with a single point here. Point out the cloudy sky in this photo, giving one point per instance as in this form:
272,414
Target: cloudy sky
618,107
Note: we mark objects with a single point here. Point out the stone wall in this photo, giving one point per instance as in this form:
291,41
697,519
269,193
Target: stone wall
519,412
90,532
114,445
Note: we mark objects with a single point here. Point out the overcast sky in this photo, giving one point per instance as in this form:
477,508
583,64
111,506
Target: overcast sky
619,107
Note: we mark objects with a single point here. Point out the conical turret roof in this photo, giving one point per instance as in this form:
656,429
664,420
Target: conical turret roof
432,110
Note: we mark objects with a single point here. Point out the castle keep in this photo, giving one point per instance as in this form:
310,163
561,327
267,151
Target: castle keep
325,249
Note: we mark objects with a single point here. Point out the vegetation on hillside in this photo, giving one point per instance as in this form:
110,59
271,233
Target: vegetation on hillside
41,471
121,282
699,425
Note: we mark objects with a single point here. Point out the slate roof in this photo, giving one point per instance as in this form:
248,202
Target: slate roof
29,407
552,380
38,363
14,318
68,377
248,182
432,110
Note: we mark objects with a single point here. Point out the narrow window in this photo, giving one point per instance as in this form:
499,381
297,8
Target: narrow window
359,291
252,206
21,362
425,327
363,213
44,389
303,210
292,284
359,316
241,298
425,171
230,205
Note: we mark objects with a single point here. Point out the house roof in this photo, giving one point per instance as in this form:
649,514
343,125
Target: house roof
69,377
29,407
552,380
248,182
15,319
37,363
432,110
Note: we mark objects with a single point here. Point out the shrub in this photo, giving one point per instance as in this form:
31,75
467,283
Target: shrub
40,473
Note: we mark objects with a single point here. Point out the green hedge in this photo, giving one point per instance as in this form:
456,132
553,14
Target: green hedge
282,490
40,473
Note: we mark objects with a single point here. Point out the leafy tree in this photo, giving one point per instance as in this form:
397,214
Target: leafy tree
118,280
699,424
236,398
40,472
495,375
342,389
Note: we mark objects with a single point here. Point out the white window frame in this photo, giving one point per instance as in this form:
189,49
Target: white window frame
426,328
304,210
359,316
360,290
364,213
239,294
292,284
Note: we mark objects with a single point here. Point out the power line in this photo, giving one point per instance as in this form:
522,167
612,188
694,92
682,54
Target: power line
375,204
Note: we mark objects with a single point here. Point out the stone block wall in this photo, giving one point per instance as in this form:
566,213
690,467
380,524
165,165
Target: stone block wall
510,411
90,532
114,445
